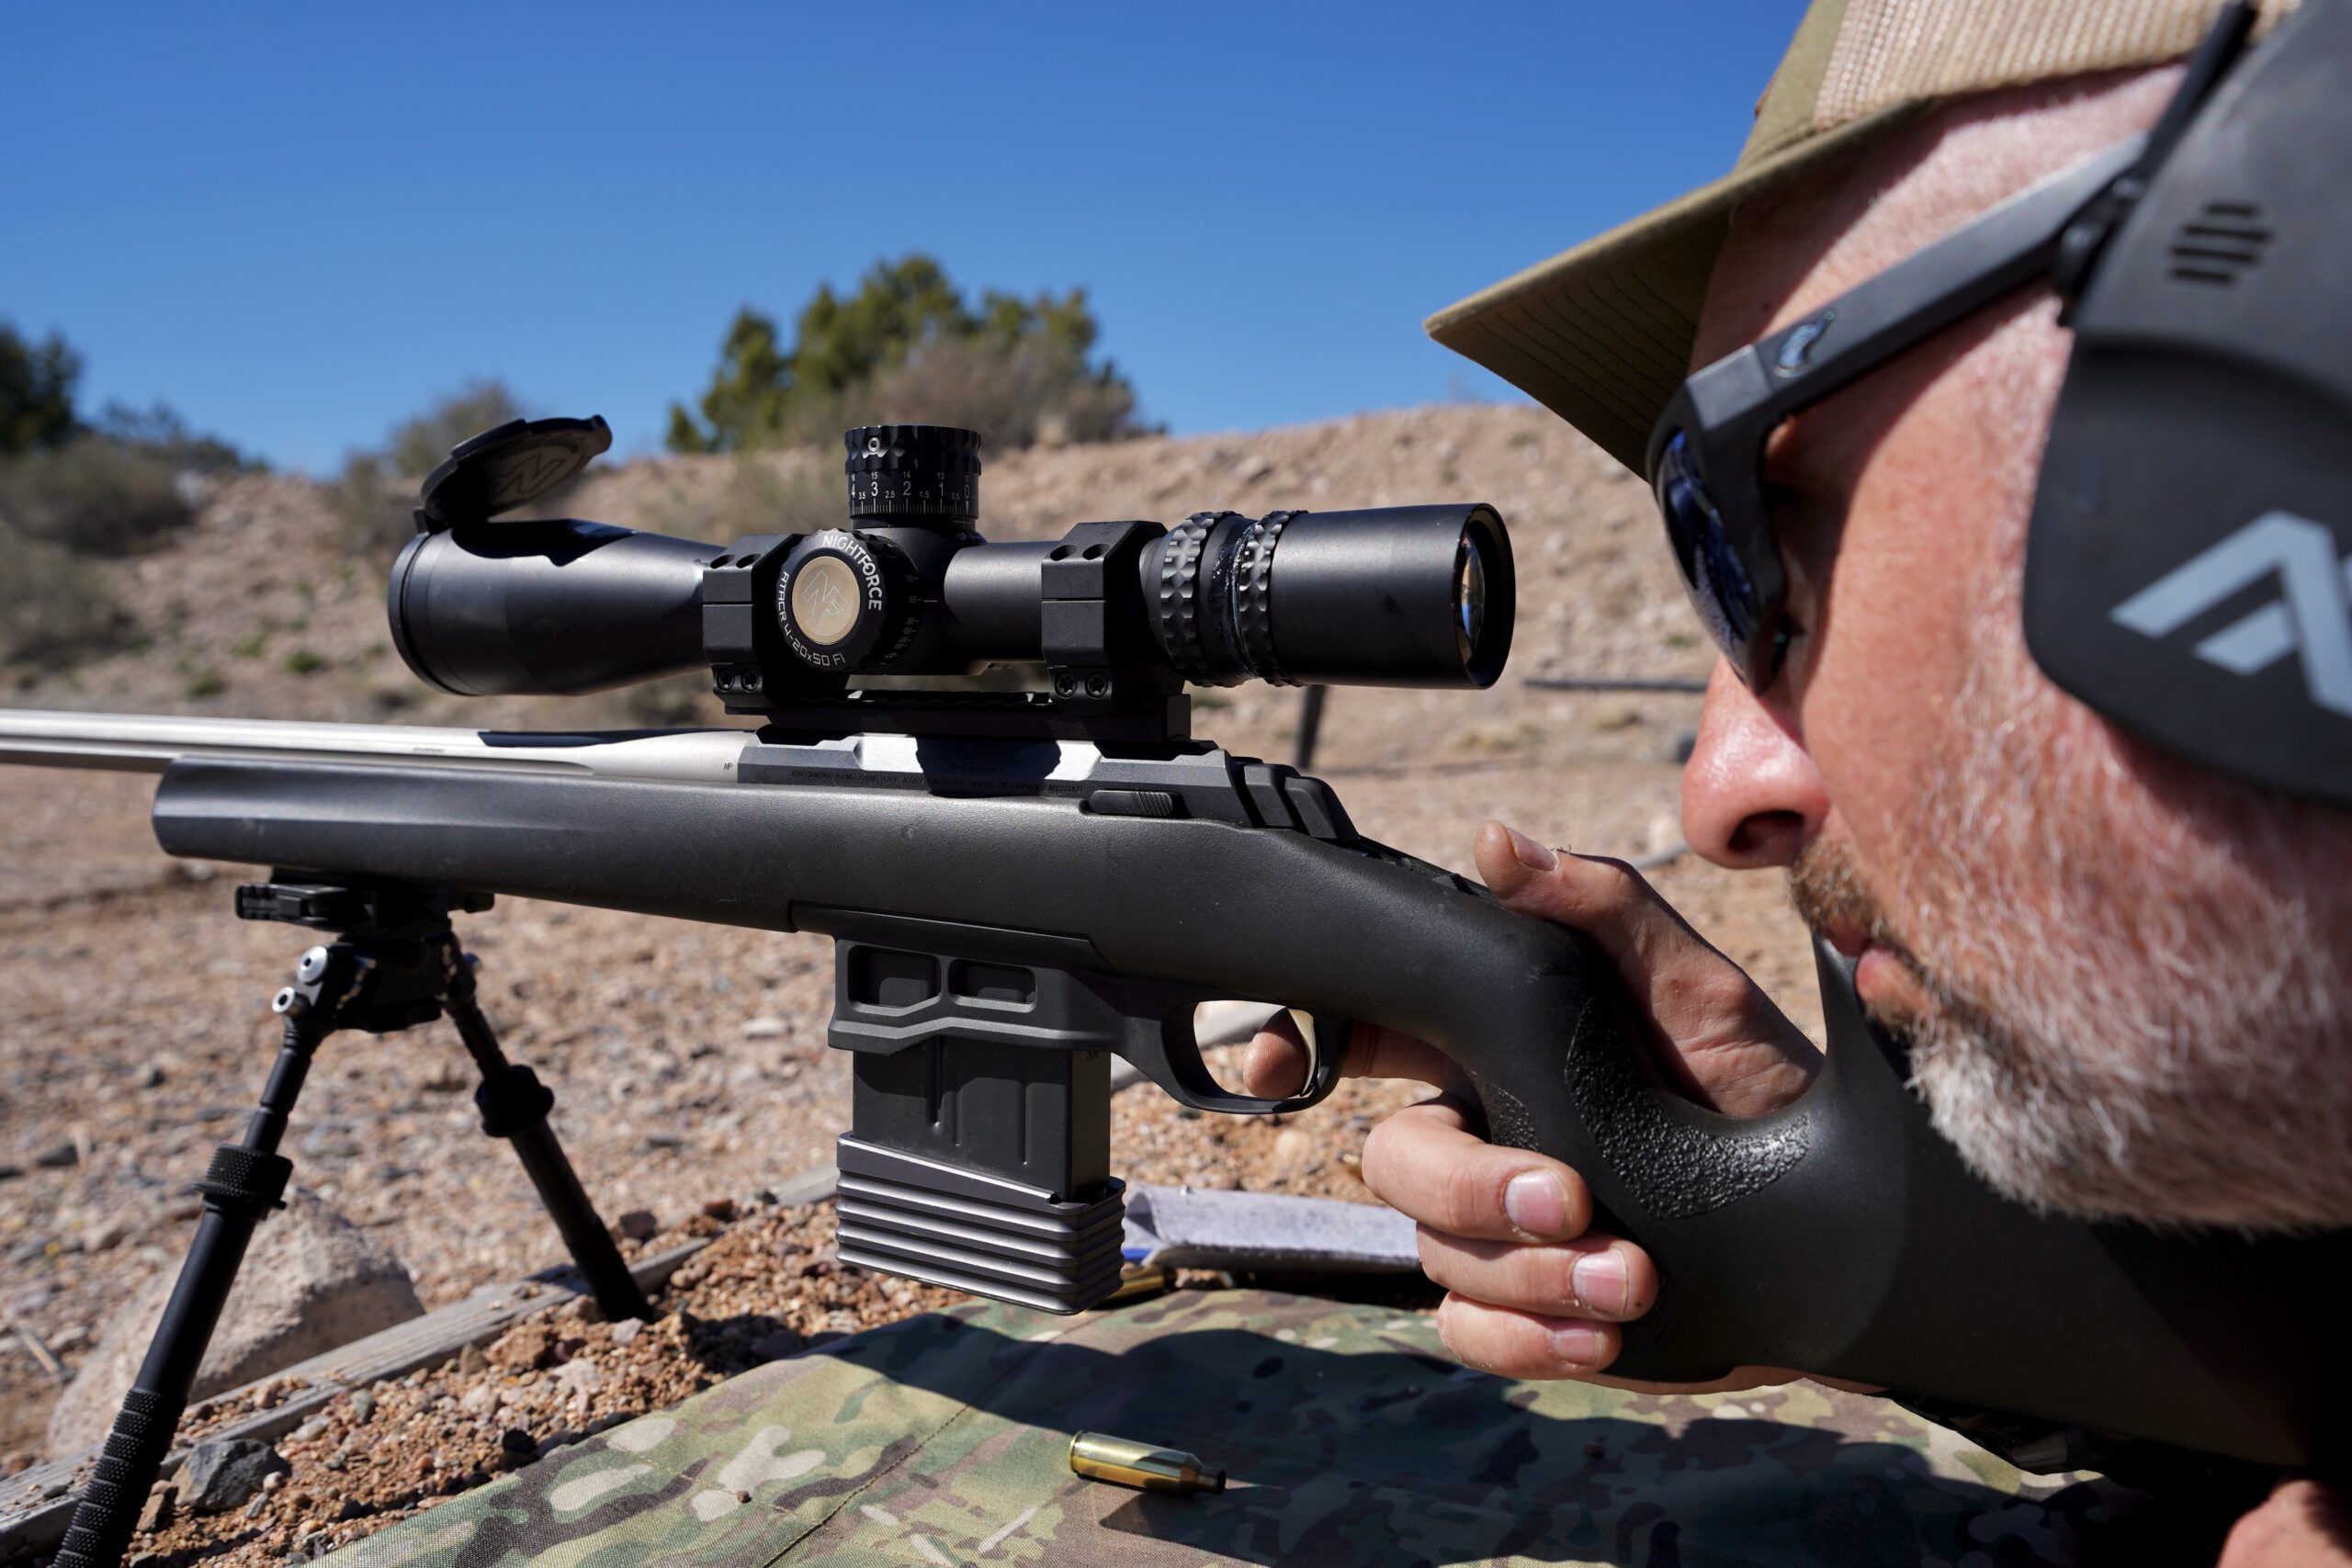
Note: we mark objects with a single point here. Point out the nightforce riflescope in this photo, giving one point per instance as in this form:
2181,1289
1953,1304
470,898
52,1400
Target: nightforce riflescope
1120,615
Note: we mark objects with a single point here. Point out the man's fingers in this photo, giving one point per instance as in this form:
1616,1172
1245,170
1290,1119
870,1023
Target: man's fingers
1277,1060
1726,1044
1595,1276
1426,1163
1515,1343
1606,899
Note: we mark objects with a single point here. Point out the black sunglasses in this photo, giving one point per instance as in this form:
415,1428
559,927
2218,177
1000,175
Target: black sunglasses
1707,452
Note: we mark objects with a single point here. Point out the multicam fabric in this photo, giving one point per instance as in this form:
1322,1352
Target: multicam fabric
1350,1438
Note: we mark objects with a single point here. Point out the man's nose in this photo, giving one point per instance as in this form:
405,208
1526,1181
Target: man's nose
1750,796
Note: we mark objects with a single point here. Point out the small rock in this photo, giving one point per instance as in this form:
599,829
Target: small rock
335,1462
580,1377
9,1172
315,1427
765,1027
312,1282
471,1360
151,1076
742,1496
73,1336
273,1482
638,1225
516,1440
103,1236
1293,1145
59,1156
331,1142
54,1490
363,1406
626,1330
664,1141
719,1209
1220,1179
353,1508
222,1473
162,1500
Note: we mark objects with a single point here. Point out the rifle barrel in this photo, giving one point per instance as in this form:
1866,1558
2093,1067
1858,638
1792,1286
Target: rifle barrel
148,743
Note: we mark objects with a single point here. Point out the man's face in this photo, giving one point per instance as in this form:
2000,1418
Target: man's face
2121,976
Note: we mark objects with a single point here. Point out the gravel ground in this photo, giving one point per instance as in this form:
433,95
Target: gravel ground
688,1060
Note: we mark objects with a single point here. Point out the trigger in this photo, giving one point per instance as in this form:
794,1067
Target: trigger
1327,1058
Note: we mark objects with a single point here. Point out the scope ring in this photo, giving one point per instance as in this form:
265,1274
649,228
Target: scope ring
1178,607
1253,599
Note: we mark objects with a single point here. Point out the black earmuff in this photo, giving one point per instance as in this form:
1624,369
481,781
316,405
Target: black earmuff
2188,565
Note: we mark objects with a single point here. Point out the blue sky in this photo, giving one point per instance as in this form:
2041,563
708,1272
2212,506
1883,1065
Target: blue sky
298,224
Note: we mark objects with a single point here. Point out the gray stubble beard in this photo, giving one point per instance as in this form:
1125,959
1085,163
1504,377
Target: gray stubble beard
2138,1007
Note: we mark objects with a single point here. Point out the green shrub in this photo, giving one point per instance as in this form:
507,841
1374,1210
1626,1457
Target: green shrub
419,444
374,510
54,609
302,661
36,391
906,347
95,496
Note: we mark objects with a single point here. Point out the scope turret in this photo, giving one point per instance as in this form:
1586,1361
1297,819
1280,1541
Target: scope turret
1121,616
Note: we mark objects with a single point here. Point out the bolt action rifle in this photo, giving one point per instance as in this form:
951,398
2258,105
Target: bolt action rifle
1023,885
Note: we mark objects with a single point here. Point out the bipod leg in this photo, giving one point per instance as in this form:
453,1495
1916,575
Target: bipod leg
515,1105
244,1183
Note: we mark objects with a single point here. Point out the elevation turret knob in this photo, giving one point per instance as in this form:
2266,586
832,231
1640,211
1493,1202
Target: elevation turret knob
919,474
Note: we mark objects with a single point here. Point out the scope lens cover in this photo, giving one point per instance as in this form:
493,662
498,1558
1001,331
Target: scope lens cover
509,466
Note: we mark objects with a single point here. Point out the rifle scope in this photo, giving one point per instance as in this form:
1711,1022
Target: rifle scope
1397,596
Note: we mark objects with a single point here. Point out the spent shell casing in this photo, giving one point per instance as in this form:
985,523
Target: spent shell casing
1146,1466
1138,1279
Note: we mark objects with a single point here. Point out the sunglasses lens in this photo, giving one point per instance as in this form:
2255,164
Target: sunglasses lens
1712,571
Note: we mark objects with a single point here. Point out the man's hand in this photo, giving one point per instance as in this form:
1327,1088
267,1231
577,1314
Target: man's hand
1532,1293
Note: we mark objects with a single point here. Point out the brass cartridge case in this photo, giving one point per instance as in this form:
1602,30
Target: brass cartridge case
1100,1457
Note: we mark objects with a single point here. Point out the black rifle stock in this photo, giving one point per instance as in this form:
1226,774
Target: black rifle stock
1840,1236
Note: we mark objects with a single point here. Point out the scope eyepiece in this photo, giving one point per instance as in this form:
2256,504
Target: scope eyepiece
1393,597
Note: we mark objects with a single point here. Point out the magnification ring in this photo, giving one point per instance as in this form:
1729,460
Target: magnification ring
1181,614
1253,598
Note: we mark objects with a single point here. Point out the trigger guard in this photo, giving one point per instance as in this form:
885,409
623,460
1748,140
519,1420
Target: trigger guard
1188,1084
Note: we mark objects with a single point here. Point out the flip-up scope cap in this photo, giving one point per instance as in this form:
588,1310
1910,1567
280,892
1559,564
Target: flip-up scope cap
509,466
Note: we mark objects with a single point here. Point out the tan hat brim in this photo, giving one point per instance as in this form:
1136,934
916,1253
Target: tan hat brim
1602,334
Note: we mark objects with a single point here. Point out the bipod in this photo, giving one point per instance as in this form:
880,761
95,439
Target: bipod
395,963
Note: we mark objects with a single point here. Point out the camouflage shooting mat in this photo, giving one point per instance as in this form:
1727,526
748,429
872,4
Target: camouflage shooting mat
1349,1435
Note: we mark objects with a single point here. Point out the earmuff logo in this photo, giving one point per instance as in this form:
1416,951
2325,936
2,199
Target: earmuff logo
2313,619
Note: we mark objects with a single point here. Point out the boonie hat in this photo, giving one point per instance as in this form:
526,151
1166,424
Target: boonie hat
1602,334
